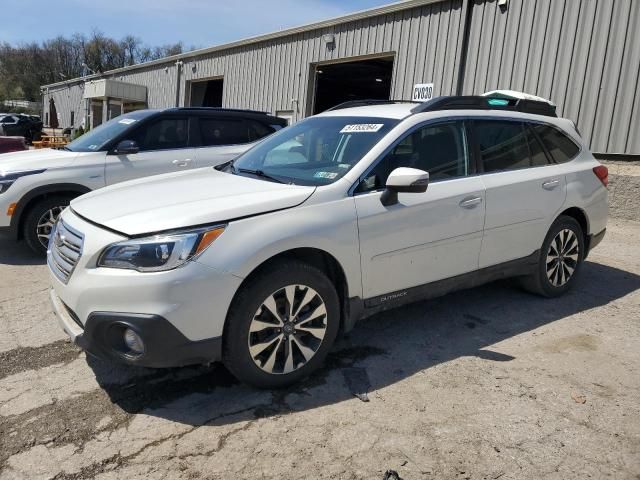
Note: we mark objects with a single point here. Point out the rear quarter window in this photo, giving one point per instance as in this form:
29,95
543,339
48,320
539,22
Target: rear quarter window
231,131
561,148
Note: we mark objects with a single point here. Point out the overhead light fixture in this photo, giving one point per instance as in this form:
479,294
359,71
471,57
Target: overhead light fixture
379,80
320,71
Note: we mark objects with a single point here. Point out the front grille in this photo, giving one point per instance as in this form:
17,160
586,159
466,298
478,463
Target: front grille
65,249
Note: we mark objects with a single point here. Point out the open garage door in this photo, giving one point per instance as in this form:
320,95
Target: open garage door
207,93
357,80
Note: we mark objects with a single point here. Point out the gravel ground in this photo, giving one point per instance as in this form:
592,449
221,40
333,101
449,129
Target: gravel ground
490,383
624,189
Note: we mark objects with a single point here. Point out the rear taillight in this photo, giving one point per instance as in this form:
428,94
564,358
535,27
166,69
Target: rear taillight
602,173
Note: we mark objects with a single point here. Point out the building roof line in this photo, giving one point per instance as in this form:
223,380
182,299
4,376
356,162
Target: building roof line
352,17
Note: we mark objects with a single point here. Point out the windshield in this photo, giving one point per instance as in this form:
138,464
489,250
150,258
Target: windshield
96,140
317,151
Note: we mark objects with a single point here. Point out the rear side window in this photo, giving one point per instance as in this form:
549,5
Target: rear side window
231,131
560,146
538,156
259,130
165,134
503,145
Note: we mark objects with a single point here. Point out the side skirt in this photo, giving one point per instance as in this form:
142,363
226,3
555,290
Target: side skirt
515,268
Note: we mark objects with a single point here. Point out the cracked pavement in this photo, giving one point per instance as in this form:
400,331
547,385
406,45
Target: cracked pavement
482,384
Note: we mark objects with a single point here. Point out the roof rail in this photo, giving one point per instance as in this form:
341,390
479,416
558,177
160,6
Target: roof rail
364,103
486,103
221,109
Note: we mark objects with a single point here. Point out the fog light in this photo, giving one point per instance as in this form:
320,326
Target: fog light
133,342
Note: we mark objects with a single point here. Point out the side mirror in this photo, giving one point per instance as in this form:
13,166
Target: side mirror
404,180
126,147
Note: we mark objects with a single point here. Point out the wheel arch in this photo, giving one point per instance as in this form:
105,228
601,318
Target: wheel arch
323,261
31,198
581,217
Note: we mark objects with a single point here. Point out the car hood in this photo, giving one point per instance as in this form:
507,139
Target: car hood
185,199
35,160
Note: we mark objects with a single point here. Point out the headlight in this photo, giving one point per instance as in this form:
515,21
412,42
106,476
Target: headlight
161,252
8,179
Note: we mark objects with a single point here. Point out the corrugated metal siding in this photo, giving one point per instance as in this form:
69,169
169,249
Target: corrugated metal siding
275,74
67,99
584,55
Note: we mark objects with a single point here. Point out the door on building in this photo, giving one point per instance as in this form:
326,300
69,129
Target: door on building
96,113
357,80
207,93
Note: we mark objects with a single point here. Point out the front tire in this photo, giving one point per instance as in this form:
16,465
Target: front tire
281,325
561,257
39,221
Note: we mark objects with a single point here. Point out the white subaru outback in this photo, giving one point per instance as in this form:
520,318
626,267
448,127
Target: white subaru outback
261,263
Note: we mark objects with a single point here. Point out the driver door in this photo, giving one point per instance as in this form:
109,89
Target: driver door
427,236
164,148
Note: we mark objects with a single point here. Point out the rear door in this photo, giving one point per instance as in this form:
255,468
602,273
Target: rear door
525,189
223,138
164,147
425,236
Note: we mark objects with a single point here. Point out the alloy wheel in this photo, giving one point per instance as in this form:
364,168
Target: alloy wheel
562,257
287,329
45,224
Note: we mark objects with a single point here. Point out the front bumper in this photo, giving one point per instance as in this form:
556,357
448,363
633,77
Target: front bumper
180,313
165,345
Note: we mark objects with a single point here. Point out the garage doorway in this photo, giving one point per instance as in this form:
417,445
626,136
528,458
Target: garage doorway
206,93
357,80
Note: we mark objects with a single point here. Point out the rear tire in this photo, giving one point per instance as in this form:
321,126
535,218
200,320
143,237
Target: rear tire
560,260
281,325
39,221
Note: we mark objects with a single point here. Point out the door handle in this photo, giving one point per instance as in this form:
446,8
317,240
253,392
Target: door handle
551,184
182,163
471,202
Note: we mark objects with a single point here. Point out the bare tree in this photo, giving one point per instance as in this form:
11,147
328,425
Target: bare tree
25,67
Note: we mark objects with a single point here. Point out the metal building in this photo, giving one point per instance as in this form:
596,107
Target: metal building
584,55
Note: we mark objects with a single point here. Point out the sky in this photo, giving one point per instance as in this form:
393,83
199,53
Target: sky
198,23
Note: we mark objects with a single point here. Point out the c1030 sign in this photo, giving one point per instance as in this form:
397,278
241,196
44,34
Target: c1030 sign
422,92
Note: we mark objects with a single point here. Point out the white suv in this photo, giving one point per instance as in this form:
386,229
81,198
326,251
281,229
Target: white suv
35,186
261,262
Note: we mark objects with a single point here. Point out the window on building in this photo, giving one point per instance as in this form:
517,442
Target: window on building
438,149
503,145
165,134
73,118
561,147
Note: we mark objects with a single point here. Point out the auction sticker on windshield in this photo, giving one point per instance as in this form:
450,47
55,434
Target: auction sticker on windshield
127,121
362,128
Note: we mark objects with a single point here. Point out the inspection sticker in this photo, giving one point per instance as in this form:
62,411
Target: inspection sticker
329,175
362,128
127,121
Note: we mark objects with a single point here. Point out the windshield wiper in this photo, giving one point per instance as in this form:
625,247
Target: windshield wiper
257,173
